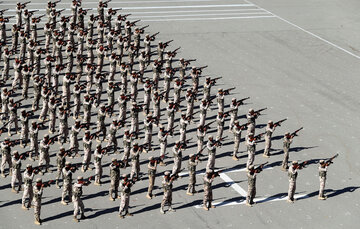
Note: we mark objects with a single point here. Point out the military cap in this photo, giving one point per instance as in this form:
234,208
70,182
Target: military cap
191,155
113,159
151,158
270,121
294,163
322,161
68,163
46,136
28,165
251,134
210,136
220,89
135,144
251,110
251,167
166,173
80,177
38,180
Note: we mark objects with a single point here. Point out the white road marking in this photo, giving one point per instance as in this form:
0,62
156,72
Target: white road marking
232,184
204,19
195,15
112,2
308,32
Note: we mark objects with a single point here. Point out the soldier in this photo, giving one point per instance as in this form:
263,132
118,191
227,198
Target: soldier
112,60
34,146
142,63
12,106
201,132
251,149
16,173
77,101
44,160
66,88
148,123
204,106
147,95
195,74
135,119
193,161
190,98
207,87
76,198
237,137
29,174
60,162
45,94
292,173
251,117
112,140
38,191
184,121
288,139
67,172
24,135
152,165
101,122
211,146
52,110
270,128
133,83
168,58
234,107
111,94
220,100
135,155
162,136
322,176
177,90
6,156
87,142
171,114
74,143
127,139
114,179
26,74
87,102
167,184
177,152
98,154
168,76
156,67
125,197
63,127
220,119
5,104
251,186
208,197
37,84
156,106
122,101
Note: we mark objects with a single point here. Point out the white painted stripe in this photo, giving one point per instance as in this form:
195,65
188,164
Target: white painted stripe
113,3
199,15
192,11
232,184
308,32
257,200
205,19
182,174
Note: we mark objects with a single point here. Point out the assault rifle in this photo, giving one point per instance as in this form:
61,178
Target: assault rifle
278,123
227,91
330,161
293,134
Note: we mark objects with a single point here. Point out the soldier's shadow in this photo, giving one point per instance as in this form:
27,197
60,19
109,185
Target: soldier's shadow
58,216
331,192
103,212
148,208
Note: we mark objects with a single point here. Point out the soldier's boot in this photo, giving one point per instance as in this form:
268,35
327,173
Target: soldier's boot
188,191
2,174
48,170
13,190
37,222
24,207
75,219
121,216
83,168
235,158
63,202
111,198
211,205
129,214
322,197
82,216
149,196
57,183
162,210
18,189
162,163
172,210
290,200
205,208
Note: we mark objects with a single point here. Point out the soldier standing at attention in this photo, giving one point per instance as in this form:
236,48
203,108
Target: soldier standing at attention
60,161
208,197
167,184
114,179
288,139
67,182
28,188
251,149
193,161
125,197
16,173
152,165
237,137
38,191
252,184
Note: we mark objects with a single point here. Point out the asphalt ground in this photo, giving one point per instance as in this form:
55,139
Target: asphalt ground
298,59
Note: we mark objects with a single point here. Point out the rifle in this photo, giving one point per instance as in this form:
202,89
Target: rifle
53,4
124,17
218,142
302,165
258,137
167,43
188,61
213,81
14,142
227,91
240,102
260,167
47,184
59,11
329,161
278,123
176,175
25,154
39,17
207,125
134,22
94,134
53,139
211,99
144,27
24,4
295,132
152,37
2,11
167,132
199,69
113,11
32,11
86,181
258,111
217,173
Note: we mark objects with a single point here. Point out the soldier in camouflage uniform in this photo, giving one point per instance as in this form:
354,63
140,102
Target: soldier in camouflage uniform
34,145
177,151
125,187
101,122
270,128
24,135
114,179
148,123
38,191
67,182
237,137
135,155
292,173
44,160
167,184
288,139
220,100
29,174
204,106
162,136
114,126
5,156
87,143
193,161
76,198
63,127
322,176
60,163
74,143
251,186
127,138
152,165
251,149
16,173
201,132
98,154
251,117
220,120
208,197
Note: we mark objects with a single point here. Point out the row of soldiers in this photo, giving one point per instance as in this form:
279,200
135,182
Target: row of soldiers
128,43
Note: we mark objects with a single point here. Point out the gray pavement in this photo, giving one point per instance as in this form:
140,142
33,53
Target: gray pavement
306,71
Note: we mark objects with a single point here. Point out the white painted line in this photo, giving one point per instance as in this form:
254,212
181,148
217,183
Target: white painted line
257,200
182,174
112,2
205,19
308,32
199,15
232,184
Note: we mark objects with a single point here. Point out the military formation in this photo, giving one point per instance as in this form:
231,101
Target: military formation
102,68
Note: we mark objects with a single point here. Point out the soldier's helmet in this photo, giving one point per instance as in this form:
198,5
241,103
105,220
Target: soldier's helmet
251,167
113,159
23,110
251,134
126,130
220,89
294,163
135,144
233,99
102,106
46,136
87,132
62,148
80,177
191,155
210,137
209,170
287,133
125,175
177,142
98,145
151,158
16,152
251,110
28,165
322,161
236,122
167,173
38,180
270,122
68,163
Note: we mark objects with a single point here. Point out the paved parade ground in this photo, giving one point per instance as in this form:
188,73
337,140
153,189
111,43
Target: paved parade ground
300,59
